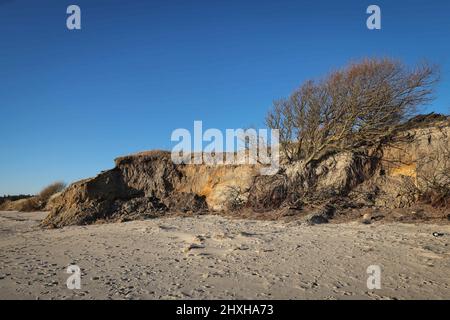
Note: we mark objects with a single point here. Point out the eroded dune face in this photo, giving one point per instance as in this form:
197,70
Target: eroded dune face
149,184
415,163
220,185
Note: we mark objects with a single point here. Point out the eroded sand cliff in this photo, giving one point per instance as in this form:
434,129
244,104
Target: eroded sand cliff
149,184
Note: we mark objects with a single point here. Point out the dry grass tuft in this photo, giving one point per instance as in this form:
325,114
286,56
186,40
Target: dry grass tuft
38,202
50,190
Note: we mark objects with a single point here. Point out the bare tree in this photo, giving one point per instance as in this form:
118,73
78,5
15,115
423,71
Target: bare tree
356,107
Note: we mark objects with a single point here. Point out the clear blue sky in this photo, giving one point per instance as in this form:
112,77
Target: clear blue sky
71,101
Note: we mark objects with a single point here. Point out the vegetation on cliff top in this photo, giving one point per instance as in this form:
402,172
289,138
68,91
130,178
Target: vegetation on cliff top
350,109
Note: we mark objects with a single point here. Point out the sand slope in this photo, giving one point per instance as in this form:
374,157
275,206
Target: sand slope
218,258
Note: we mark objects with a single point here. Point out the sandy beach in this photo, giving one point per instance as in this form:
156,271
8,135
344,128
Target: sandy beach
212,257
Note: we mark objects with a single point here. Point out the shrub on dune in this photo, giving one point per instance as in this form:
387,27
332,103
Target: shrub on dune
50,190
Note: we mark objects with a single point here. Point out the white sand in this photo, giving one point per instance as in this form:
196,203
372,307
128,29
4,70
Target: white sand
227,259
